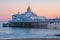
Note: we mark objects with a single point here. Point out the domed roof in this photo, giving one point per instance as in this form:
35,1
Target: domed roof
29,12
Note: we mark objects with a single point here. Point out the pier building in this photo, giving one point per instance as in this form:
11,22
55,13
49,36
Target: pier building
29,19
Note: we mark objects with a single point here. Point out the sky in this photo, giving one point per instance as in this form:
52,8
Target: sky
48,8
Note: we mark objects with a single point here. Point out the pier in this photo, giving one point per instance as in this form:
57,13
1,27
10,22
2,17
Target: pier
30,20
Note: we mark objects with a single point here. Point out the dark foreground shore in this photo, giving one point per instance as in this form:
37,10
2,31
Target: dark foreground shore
34,39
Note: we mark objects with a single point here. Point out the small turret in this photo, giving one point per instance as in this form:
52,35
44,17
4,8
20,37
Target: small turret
18,12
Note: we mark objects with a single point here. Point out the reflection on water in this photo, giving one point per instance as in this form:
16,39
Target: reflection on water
9,32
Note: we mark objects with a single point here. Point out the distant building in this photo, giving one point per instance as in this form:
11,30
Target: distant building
28,16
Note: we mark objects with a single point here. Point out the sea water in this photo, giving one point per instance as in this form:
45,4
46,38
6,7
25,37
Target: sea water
11,32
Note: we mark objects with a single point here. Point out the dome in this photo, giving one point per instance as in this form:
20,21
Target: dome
29,13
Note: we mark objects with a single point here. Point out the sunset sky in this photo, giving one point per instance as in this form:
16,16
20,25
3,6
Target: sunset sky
48,8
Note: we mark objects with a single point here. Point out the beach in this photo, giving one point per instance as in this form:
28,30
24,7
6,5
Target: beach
34,39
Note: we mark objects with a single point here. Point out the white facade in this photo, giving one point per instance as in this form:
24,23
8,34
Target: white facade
28,16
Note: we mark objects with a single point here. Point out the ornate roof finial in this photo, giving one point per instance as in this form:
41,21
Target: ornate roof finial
28,8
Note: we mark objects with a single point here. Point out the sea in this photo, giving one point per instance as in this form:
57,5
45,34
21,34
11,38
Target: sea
14,32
